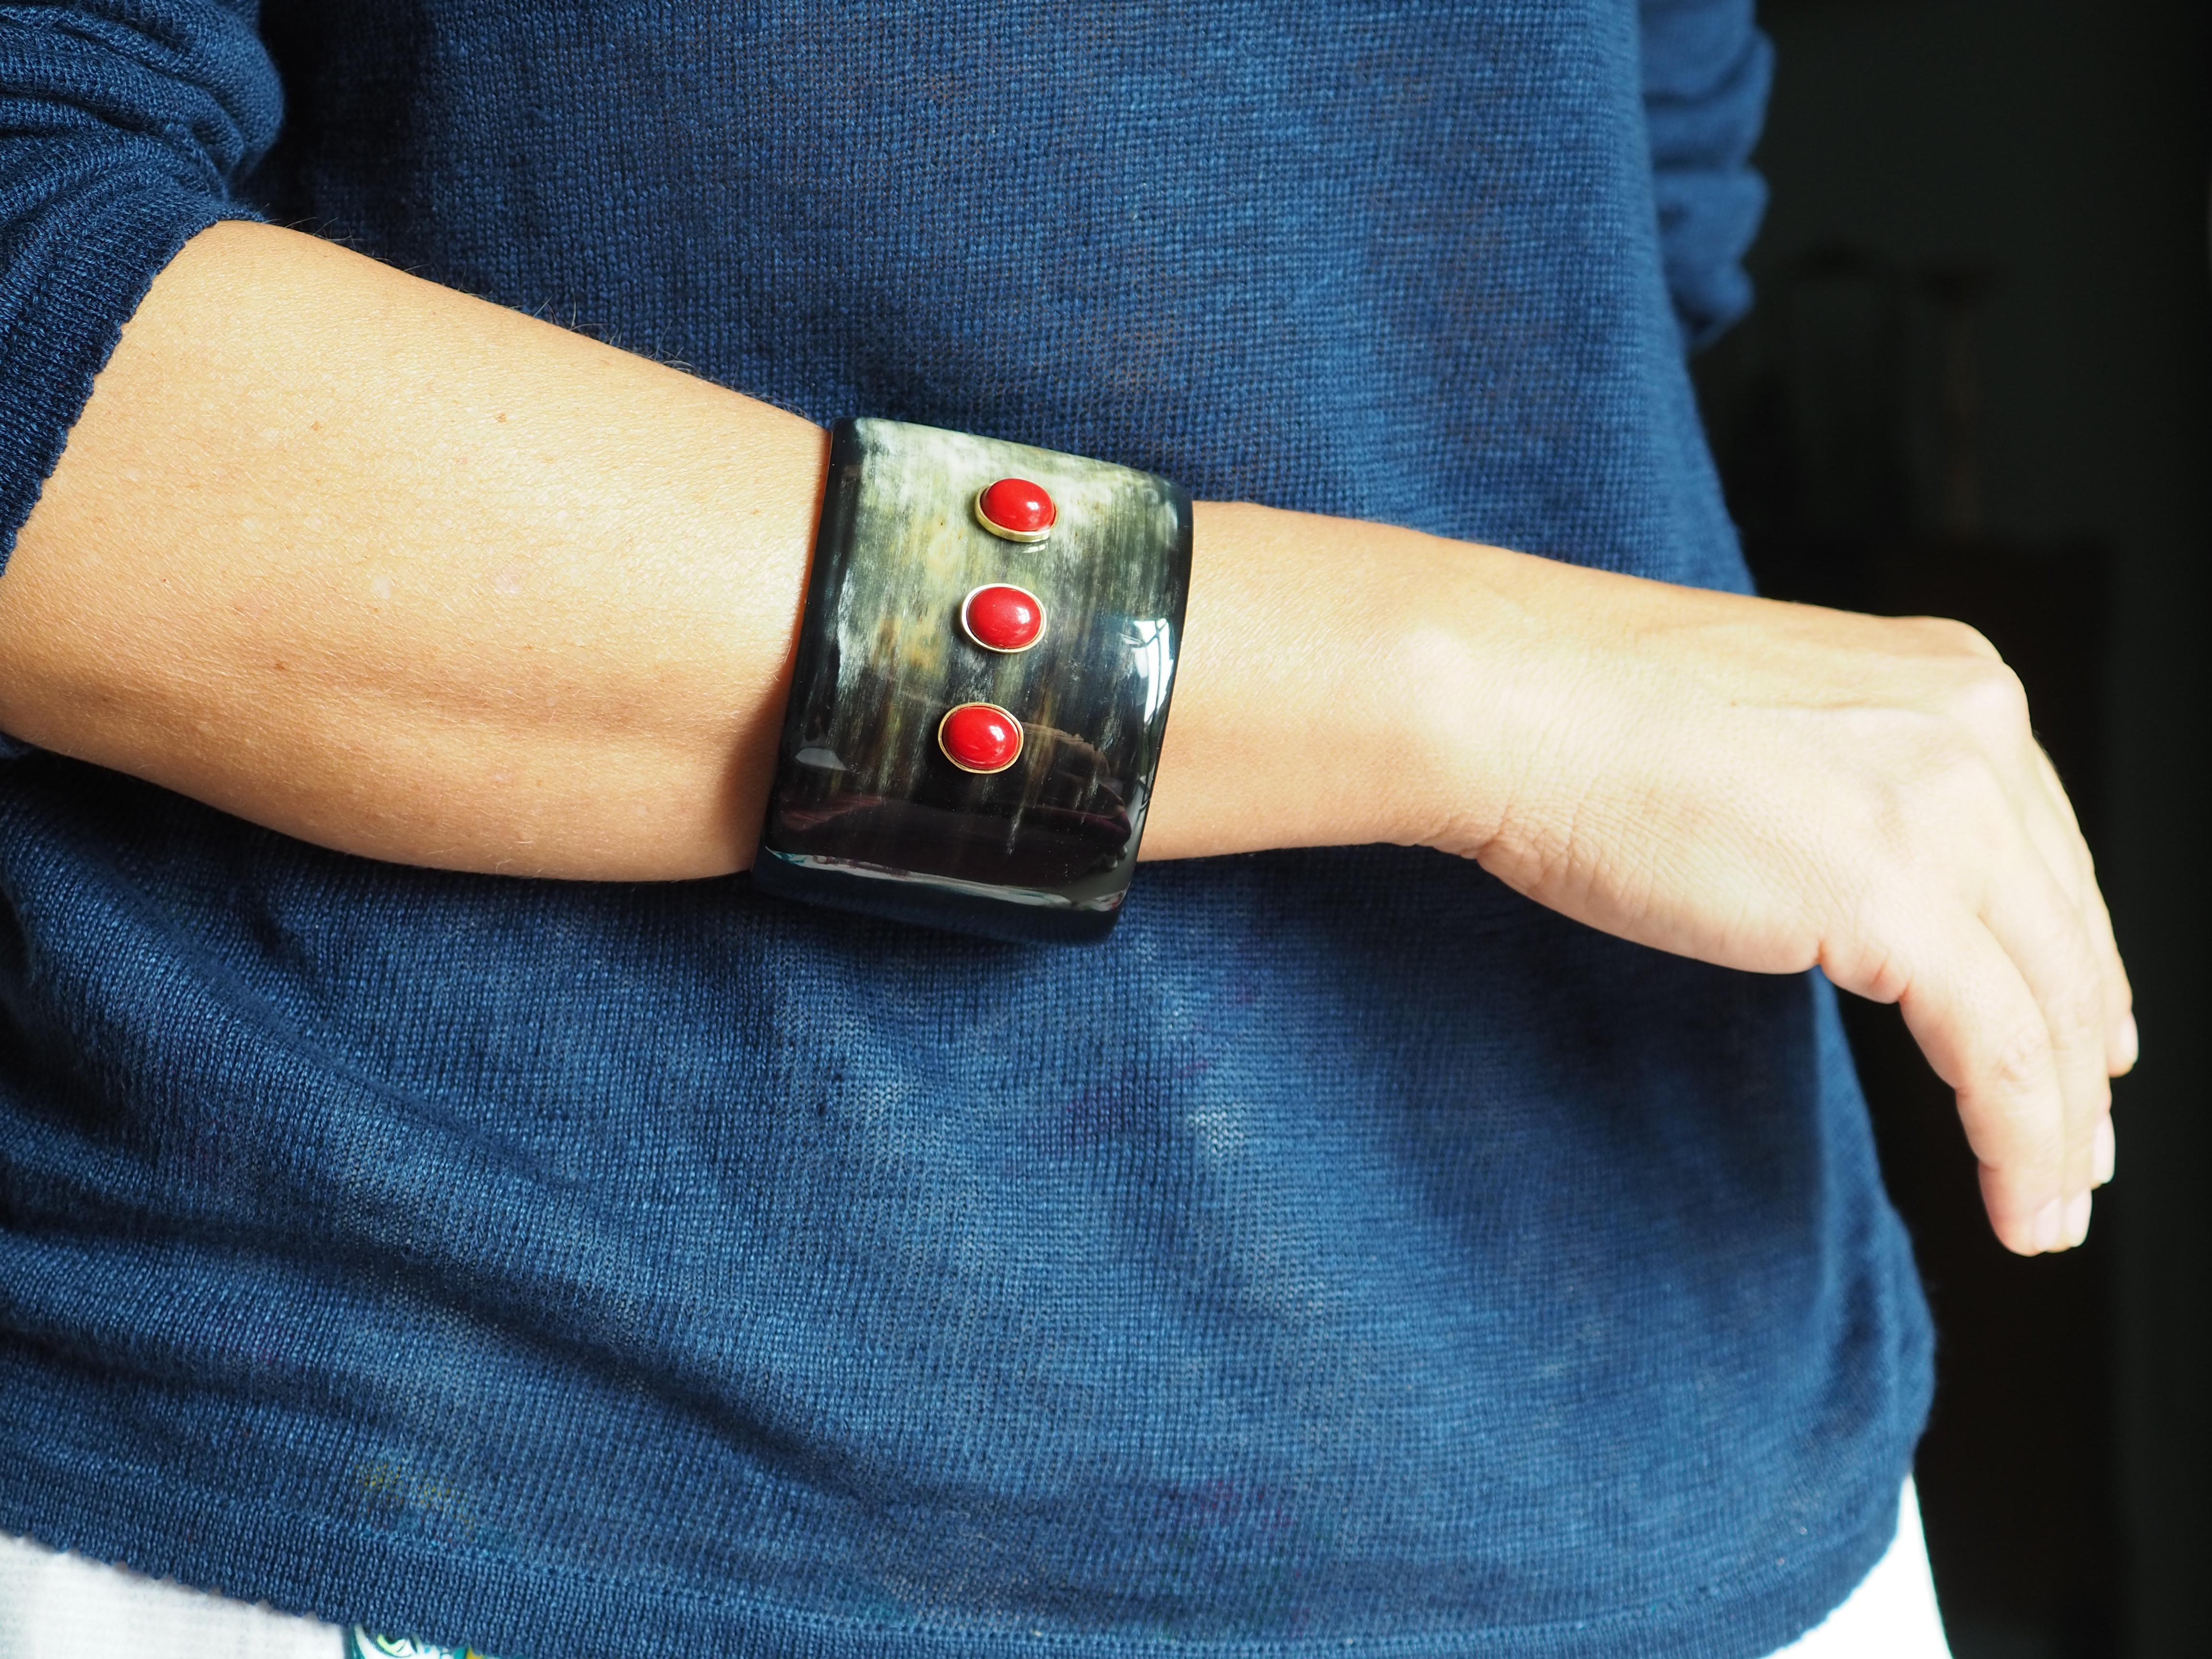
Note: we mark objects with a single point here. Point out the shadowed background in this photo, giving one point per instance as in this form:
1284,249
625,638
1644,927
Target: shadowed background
1979,382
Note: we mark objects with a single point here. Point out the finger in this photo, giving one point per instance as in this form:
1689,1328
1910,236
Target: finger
2049,817
1982,1030
2042,931
2121,1042
2056,834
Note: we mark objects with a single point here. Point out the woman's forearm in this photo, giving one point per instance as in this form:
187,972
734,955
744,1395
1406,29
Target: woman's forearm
395,570
412,576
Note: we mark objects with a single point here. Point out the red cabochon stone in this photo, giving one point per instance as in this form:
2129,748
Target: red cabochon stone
1017,505
1004,617
981,737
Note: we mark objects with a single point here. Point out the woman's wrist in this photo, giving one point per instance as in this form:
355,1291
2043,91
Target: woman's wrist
1330,675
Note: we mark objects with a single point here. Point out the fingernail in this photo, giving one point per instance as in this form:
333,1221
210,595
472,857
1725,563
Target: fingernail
2104,1149
2077,1219
2048,1221
2131,1043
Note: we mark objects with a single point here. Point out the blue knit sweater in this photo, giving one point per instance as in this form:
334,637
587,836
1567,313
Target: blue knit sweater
1349,1257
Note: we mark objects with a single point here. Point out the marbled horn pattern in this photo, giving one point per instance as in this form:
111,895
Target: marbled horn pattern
868,813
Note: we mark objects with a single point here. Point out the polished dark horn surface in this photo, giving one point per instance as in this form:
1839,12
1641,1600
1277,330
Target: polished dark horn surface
871,811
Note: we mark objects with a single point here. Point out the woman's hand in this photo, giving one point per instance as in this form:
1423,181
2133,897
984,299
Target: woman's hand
1762,786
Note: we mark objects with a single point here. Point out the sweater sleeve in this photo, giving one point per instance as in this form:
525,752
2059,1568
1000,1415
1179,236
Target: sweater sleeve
123,126
1706,71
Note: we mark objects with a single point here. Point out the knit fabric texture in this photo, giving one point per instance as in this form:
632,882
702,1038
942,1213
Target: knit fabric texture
1349,1257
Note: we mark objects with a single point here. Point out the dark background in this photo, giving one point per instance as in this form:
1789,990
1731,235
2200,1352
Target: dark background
1979,382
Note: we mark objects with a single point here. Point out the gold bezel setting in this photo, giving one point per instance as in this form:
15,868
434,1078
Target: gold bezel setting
969,628
1007,533
1021,739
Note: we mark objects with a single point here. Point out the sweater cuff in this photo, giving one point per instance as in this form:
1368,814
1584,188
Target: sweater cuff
64,295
